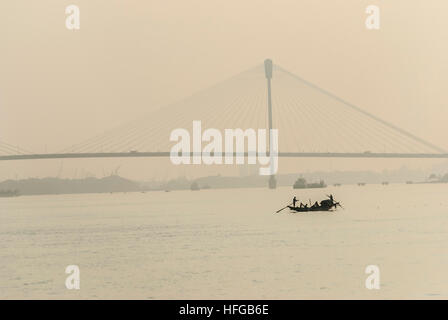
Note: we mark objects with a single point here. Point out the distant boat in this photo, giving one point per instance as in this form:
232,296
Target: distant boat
409,182
337,184
361,184
385,183
302,184
9,193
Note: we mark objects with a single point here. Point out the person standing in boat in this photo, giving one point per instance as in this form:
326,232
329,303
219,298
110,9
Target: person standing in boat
294,200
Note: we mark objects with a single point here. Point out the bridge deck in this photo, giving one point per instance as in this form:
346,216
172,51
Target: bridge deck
167,154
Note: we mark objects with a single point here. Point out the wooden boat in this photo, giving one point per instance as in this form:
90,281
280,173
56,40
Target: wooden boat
324,205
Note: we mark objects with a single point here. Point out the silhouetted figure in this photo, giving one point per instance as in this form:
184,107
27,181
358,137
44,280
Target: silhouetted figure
294,200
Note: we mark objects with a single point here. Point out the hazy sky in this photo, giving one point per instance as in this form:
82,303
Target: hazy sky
59,87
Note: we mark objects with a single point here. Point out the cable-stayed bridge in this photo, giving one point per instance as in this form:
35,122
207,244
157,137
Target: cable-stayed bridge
311,123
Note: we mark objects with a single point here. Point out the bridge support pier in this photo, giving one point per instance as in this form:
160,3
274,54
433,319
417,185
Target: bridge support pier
272,182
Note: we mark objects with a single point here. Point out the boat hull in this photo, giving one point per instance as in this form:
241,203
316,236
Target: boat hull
312,209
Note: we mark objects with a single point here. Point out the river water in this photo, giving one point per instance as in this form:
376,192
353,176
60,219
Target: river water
220,244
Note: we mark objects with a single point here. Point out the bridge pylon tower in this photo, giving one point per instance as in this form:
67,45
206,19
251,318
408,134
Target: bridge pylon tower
268,72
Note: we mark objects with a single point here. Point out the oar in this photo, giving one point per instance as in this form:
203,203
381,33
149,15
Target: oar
338,204
283,208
